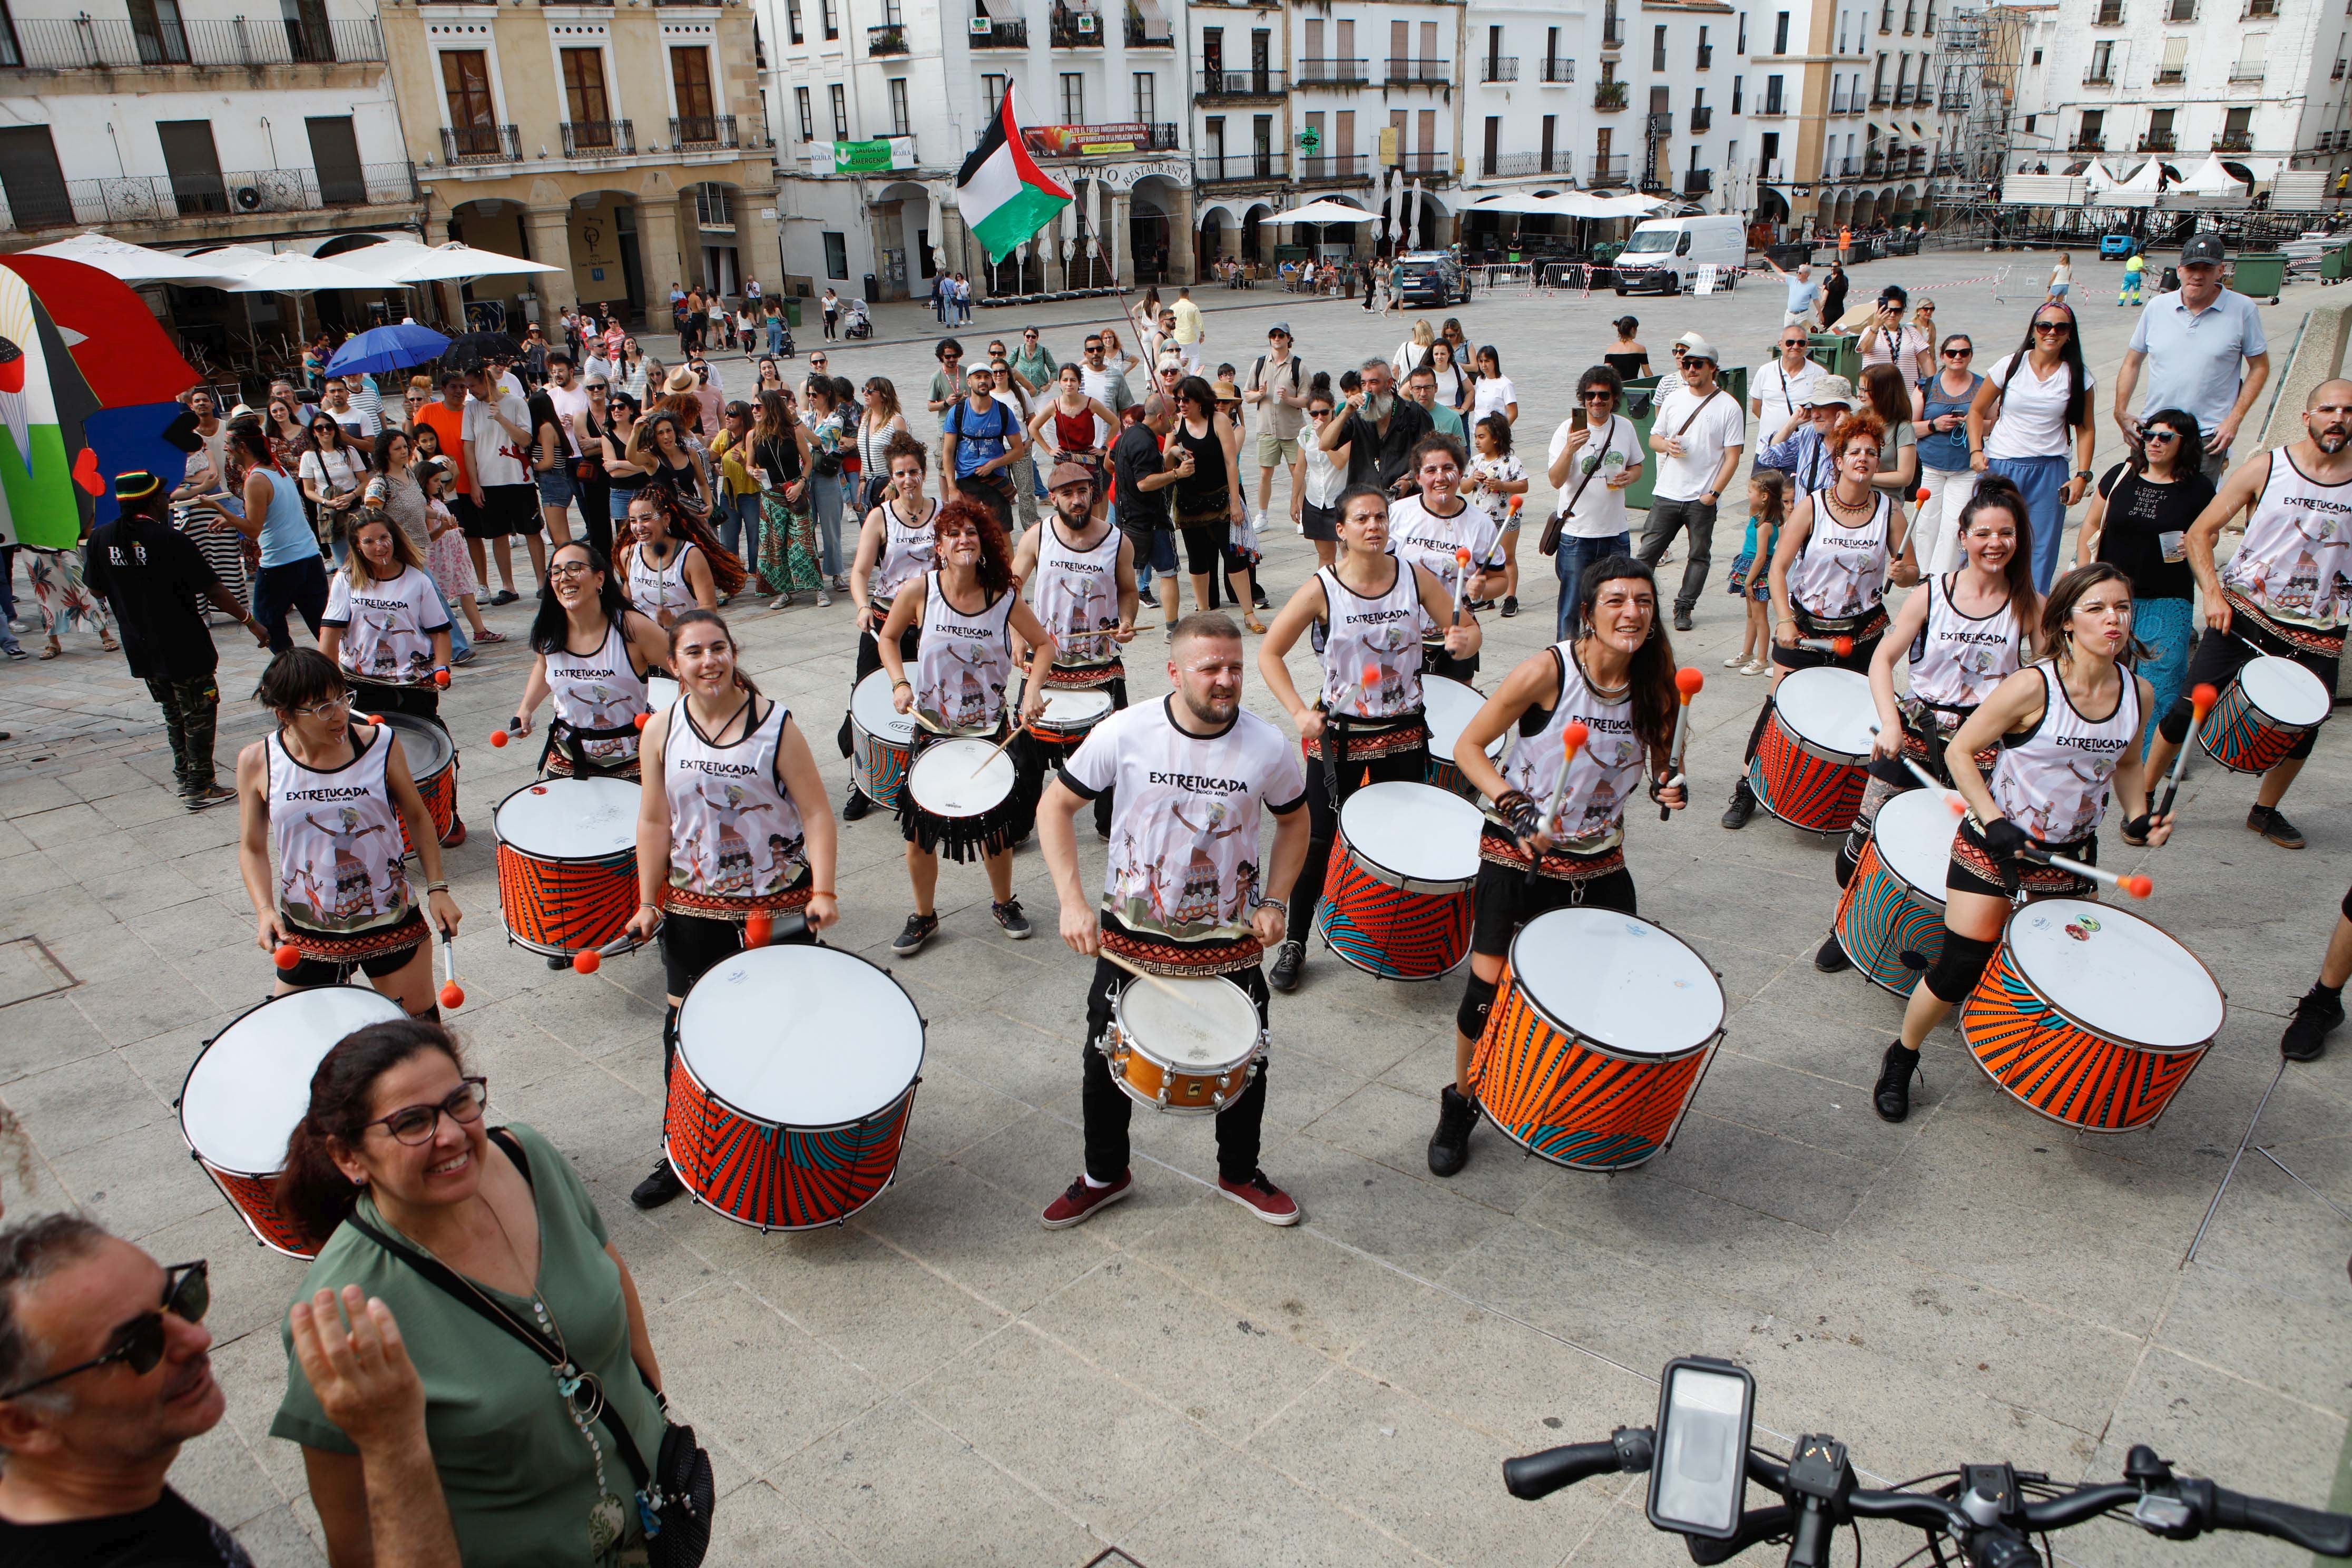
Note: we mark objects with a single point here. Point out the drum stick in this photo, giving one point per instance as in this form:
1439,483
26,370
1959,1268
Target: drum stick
1687,682
2137,886
1837,647
453,995
1461,579
1009,736
1146,975
1571,740
2200,700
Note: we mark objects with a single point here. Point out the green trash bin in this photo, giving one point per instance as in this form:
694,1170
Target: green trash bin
1838,353
1641,408
2260,275
793,310
2336,264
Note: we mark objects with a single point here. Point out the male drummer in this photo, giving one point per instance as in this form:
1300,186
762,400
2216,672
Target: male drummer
2285,593
1182,894
1083,576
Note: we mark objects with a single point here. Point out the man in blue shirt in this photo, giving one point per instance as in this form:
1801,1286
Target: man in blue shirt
1802,291
981,439
2203,351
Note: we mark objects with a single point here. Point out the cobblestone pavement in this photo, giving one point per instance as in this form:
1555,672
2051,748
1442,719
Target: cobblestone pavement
942,1382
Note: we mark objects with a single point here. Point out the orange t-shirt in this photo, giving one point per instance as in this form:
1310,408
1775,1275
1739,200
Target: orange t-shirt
449,425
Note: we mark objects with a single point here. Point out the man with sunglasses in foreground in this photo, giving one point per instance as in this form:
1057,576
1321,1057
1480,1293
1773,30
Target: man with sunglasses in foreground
99,1390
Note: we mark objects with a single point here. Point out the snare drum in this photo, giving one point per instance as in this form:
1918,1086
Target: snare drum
1068,715
1190,1054
794,1081
567,851
881,741
1398,903
1809,768
2090,1015
251,1086
1447,705
962,808
1602,1028
2261,714
1890,919
432,763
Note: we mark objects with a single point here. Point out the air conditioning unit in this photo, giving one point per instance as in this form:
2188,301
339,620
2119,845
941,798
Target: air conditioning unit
980,26
249,198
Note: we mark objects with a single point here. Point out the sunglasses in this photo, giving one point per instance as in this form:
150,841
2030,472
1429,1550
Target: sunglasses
1792,342
817,362
2159,433
139,1344
2053,326
1957,353
1598,397
415,1124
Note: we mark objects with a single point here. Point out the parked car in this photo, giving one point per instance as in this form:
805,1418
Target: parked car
1431,277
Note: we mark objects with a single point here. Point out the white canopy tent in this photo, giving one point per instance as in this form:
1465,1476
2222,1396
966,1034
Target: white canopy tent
406,263
2142,189
1323,212
132,263
2097,180
2210,179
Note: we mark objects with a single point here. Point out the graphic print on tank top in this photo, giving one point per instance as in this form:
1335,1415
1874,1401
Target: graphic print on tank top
1957,659
1607,771
599,691
964,664
1077,596
2055,782
1382,635
907,554
1840,570
734,834
339,866
387,627
2295,562
661,592
1419,535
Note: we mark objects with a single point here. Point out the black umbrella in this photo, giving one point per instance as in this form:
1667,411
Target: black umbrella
471,352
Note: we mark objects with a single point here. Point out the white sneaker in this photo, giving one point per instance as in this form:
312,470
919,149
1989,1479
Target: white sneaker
824,599
1735,661
1754,667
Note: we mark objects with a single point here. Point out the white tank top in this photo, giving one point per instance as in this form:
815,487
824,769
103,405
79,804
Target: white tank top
907,554
661,592
387,627
338,837
1957,659
733,832
964,664
2296,562
1839,572
1607,770
1383,634
1077,596
599,691
1419,535
2054,782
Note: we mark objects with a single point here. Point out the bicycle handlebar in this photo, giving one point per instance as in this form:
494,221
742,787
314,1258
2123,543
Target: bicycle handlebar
1536,1476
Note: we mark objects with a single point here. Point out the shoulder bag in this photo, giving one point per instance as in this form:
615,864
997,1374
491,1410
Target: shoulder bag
1550,543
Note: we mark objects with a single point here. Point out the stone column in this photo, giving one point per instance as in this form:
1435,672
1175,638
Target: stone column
1122,267
1180,264
550,241
658,242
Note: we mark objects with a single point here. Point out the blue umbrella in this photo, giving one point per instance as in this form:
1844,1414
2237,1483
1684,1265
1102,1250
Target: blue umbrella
395,347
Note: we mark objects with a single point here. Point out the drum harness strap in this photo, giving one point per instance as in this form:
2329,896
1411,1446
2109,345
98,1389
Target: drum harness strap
574,744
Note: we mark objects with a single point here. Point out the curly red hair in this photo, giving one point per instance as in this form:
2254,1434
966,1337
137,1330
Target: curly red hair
1858,422
995,549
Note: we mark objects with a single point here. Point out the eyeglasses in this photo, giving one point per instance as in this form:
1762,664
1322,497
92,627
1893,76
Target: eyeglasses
139,1344
2053,326
324,709
570,569
415,1124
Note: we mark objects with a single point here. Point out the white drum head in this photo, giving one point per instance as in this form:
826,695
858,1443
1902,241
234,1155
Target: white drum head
1449,705
1209,1027
1067,710
2285,690
426,745
252,1084
2114,973
806,1036
1914,832
571,819
662,693
1421,832
870,710
1830,708
1618,982
943,780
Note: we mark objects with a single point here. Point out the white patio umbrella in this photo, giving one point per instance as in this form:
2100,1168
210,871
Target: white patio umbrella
1630,204
1324,212
1412,213
1514,202
405,262
289,272
131,263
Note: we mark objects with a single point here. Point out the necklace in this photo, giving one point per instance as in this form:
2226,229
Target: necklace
1850,508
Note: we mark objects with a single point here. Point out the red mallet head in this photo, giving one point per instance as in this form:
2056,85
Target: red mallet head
586,961
453,995
1842,647
1921,498
441,679
1957,805
1371,676
1516,502
287,955
1688,679
1461,555
757,926
1574,736
642,719
2138,887
375,718
2202,697
498,737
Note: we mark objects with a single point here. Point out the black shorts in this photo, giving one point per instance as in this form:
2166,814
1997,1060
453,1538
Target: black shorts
692,943
375,955
1505,901
1974,868
1320,522
514,508
2220,655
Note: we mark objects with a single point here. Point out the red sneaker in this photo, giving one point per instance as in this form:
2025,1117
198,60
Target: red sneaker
457,835
1263,1198
1082,1201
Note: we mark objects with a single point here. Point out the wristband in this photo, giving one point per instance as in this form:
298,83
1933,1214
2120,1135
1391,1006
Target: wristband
1281,904
908,684
437,887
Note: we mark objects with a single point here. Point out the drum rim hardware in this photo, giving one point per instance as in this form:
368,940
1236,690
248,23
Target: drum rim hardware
1616,1052
2041,906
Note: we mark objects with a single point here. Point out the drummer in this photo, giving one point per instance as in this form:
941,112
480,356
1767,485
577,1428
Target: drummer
1363,609
594,652
2287,591
1084,572
1429,528
894,548
2066,728
1841,546
384,623
1184,893
1961,635
731,819
1616,677
969,607
668,572
329,795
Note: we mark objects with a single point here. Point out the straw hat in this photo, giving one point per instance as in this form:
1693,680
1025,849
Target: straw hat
680,380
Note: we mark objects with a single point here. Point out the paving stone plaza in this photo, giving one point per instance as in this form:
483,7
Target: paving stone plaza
942,1382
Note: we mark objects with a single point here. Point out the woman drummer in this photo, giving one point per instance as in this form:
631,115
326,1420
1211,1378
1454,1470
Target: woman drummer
1616,677
733,830
1961,635
2066,729
1431,529
384,625
1840,548
668,572
968,606
1365,610
594,652
329,795
894,548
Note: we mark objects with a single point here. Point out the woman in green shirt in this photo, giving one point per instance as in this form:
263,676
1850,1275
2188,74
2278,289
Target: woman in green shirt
394,1140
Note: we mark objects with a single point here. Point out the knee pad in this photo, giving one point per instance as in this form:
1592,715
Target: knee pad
1960,966
2302,748
2174,725
669,1041
1478,997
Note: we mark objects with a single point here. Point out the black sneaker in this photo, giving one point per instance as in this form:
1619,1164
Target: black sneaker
920,929
658,1188
508,596
1009,917
1830,958
1891,1096
857,807
209,796
1510,605
1742,807
1144,594
1288,960
2316,1018
2272,825
1682,619
1449,1146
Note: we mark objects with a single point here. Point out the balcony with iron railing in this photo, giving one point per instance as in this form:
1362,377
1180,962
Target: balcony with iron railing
168,198
1609,171
1846,169
2159,141
88,43
989,34
1427,73
1954,102
2169,76
1240,168
1514,165
1558,71
1882,95
1654,126
890,38
1424,164
1074,31
1698,181
599,139
1323,70
1608,95
1873,166
1613,34
1252,83
1702,120
2087,142
1499,68
480,145
1772,107
1706,57
702,131
1338,168
2234,141
2337,74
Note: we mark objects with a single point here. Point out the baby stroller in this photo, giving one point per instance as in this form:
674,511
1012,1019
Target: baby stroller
855,322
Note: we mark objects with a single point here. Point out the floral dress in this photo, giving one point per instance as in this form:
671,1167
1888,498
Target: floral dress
62,595
788,558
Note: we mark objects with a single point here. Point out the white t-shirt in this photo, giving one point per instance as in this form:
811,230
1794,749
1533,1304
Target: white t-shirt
493,457
1492,394
1600,509
1782,393
1408,356
1449,383
2033,421
1419,535
571,402
1719,427
1325,479
335,472
387,627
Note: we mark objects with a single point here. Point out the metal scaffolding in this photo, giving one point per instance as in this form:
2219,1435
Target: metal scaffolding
1982,52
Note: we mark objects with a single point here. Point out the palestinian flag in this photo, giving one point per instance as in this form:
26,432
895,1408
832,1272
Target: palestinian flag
1003,195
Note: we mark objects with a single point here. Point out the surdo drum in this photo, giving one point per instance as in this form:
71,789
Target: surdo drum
881,741
1890,919
1398,903
1809,769
2262,713
568,864
1447,705
432,763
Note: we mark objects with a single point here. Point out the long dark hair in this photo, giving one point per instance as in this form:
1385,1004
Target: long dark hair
551,628
2066,592
995,567
727,574
2078,393
2186,451
1654,698
380,455
1999,490
312,1188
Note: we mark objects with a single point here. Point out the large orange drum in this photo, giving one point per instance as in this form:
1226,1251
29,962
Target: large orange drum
568,864
432,763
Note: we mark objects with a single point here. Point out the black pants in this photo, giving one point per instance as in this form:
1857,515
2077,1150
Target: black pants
1410,765
191,718
296,585
1108,1109
596,513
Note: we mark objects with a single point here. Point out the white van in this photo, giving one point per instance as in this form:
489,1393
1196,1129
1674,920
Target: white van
1665,253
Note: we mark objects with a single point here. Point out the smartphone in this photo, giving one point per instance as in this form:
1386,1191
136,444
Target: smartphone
1575,417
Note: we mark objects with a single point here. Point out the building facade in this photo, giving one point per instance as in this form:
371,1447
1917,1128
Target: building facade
1848,116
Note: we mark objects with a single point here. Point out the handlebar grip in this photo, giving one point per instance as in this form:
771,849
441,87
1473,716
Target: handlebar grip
1533,1475
2312,1528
